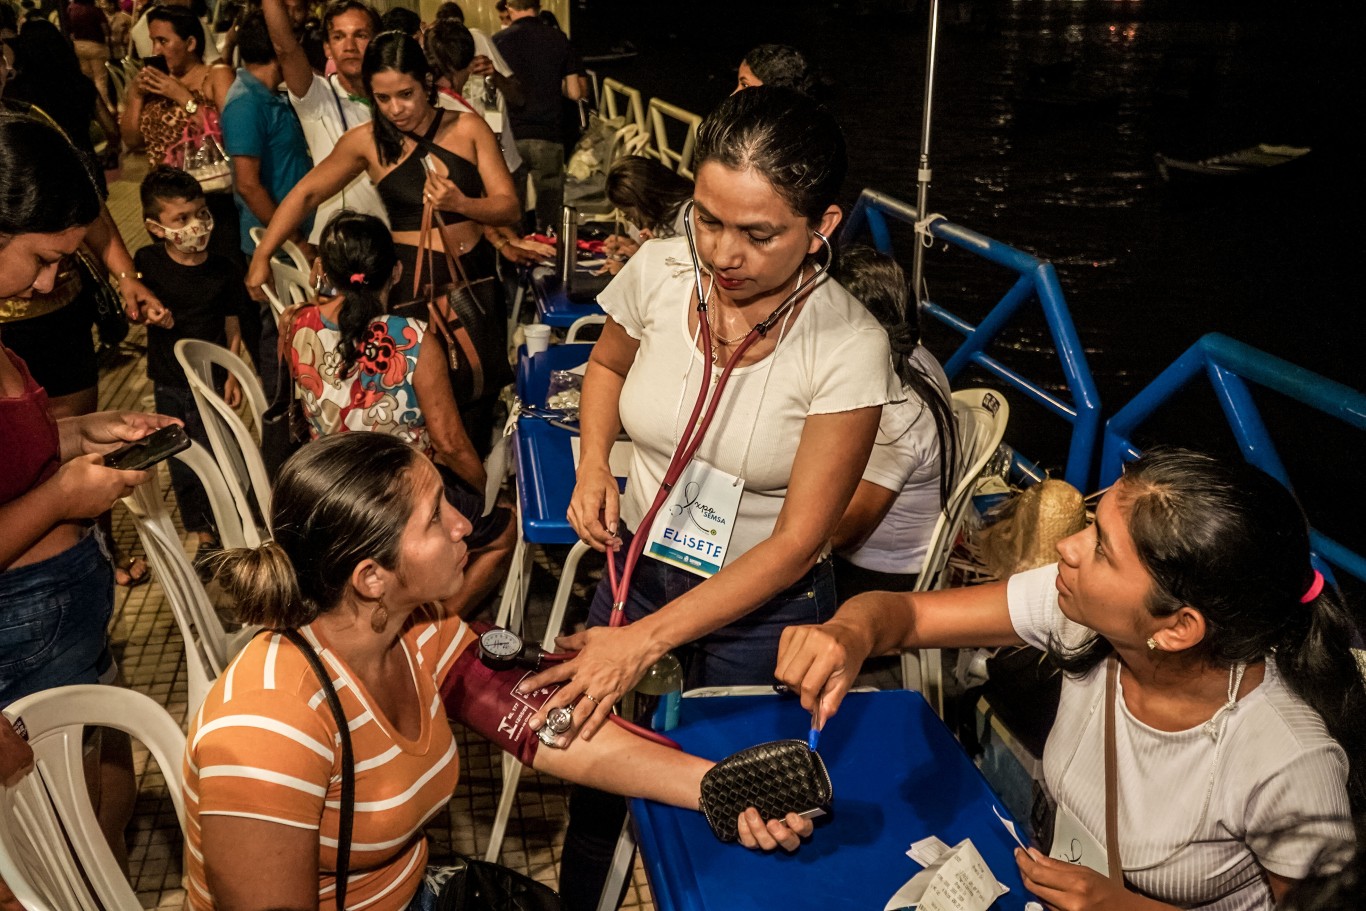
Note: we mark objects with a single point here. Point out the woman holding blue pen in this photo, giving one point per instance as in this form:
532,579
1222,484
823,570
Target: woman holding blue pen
1208,674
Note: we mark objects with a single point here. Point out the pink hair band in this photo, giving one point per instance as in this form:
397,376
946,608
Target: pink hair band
357,278
1315,588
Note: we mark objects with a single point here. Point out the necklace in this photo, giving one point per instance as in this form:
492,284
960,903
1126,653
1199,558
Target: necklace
718,340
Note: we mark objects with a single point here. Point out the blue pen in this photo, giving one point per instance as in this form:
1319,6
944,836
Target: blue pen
813,737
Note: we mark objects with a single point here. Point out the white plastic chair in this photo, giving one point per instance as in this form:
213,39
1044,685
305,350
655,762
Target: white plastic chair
512,770
276,305
665,117
592,319
236,451
118,77
53,855
209,647
226,518
291,284
288,250
981,416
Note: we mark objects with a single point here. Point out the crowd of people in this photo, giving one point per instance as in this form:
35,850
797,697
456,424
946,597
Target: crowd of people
403,157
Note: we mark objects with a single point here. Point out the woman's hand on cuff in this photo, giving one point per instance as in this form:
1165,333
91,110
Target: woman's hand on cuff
610,661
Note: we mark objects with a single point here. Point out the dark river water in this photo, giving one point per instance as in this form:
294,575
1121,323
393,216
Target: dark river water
1147,269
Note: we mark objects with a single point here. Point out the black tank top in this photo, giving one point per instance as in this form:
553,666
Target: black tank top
401,188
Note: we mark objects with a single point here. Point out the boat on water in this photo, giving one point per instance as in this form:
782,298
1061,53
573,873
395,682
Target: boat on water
1257,161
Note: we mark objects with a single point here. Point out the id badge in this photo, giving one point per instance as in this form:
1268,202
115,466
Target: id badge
1074,843
693,529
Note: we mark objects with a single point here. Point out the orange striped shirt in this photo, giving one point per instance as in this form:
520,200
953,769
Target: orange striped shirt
264,746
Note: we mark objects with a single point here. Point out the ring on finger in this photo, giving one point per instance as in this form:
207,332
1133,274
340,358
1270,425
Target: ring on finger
591,699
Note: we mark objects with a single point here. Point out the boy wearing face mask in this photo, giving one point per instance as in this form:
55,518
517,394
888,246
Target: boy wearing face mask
204,293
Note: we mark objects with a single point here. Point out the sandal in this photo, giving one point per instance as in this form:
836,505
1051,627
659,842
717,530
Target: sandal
129,567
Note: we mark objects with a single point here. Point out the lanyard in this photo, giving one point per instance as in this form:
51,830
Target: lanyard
337,98
704,409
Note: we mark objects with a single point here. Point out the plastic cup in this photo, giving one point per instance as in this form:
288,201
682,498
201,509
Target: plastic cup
537,338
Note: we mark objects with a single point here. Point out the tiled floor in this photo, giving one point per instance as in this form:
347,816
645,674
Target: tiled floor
151,656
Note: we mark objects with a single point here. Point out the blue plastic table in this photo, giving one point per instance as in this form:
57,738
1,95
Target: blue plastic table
554,306
545,457
899,776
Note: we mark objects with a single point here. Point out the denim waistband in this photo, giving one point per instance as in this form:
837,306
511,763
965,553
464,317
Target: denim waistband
70,563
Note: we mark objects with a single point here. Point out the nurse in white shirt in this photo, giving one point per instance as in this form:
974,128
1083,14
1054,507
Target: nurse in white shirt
1237,706
882,539
796,421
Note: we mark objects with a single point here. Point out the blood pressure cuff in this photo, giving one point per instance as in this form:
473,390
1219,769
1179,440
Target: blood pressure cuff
484,701
777,778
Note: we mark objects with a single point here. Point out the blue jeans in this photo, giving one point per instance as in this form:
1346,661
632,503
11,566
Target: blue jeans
742,653
54,618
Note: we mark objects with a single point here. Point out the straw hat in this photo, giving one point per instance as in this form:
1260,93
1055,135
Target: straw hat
1028,528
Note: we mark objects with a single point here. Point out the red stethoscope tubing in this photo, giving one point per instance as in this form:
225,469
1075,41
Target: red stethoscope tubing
691,438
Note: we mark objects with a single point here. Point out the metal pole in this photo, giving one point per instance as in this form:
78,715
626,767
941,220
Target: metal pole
923,175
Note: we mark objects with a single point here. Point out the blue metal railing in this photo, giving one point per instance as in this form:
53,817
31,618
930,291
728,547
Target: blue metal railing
1037,279
1228,364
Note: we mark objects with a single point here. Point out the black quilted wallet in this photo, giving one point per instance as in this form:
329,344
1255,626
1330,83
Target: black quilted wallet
777,778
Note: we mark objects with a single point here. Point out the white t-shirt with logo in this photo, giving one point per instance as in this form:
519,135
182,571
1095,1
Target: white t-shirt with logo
832,357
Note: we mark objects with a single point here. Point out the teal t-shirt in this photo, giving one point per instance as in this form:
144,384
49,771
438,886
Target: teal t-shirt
259,123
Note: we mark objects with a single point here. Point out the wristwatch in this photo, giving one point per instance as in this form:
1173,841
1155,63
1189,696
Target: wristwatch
191,106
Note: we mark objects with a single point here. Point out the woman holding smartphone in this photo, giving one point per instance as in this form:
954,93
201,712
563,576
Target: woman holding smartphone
56,577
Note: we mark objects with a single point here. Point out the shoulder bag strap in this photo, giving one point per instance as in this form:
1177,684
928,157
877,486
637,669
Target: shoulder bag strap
348,787
1111,774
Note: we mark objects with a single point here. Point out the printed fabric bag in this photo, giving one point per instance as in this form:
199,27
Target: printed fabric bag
200,151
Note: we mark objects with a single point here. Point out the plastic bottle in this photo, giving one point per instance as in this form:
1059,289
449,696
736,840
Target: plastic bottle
654,701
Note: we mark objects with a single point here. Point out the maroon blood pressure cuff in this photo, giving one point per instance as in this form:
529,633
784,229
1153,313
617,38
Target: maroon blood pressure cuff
484,701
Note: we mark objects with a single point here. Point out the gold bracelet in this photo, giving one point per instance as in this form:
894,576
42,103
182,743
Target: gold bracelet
122,275
500,243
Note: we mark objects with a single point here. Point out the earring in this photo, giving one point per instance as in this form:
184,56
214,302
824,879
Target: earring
1152,644
379,618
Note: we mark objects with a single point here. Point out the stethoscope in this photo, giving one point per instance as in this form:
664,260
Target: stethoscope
501,649
704,409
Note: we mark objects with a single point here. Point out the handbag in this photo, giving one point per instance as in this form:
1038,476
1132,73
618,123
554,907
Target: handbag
200,153
462,314
104,297
775,778
479,885
284,426
473,885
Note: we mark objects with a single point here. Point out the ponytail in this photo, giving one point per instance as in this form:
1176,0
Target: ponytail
262,582
1314,659
358,256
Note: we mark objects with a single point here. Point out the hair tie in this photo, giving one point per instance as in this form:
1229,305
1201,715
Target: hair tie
357,278
1315,588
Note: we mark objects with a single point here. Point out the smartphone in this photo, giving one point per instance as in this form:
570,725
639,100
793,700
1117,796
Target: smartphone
157,62
151,449
427,164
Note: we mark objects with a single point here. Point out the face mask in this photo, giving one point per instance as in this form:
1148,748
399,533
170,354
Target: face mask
193,238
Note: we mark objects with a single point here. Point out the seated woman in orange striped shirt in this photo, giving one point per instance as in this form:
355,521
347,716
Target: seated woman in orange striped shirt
365,550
